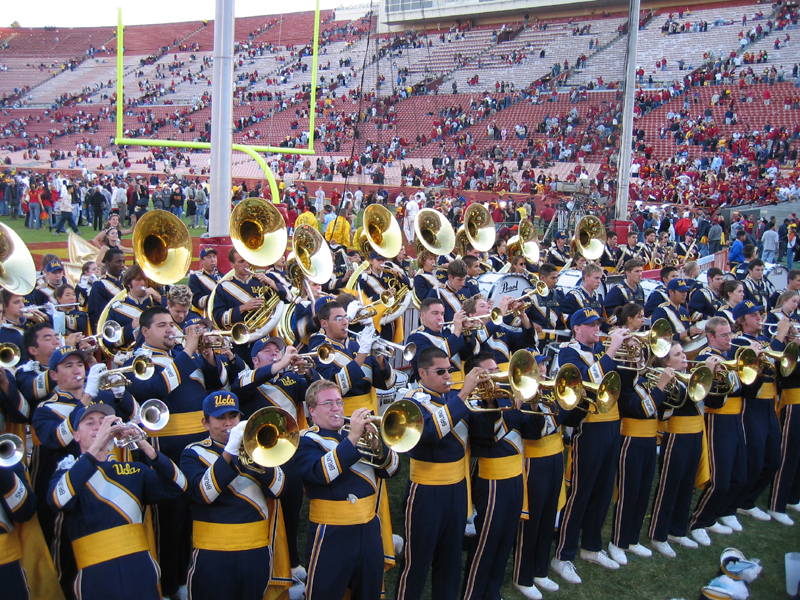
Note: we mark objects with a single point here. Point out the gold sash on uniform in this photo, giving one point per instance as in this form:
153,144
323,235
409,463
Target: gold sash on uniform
230,537
342,512
643,428
181,424
504,467
733,406
109,544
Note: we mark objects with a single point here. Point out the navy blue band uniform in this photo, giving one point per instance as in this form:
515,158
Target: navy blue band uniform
620,295
452,299
759,291
458,348
202,283
103,290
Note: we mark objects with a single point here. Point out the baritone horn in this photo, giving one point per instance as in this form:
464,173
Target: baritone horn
162,246
258,231
574,390
12,449
10,355
271,437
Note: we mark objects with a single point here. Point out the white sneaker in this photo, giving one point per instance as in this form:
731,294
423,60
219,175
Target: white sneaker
682,541
616,553
664,548
299,573
701,537
181,594
732,522
529,591
399,545
565,569
781,518
754,512
547,584
719,528
599,558
794,507
639,550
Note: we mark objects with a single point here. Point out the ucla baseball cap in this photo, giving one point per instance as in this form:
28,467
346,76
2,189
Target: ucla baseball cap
584,316
322,302
219,404
53,266
207,250
60,355
561,235
678,285
745,308
373,255
77,415
259,345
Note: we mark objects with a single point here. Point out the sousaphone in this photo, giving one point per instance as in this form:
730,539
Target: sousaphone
258,232
162,246
17,269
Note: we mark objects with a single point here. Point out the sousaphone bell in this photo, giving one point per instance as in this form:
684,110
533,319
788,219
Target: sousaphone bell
162,246
258,232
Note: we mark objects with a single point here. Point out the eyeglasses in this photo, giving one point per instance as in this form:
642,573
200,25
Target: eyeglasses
332,403
340,318
439,372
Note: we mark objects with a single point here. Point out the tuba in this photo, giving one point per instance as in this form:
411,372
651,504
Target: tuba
17,269
382,231
258,231
589,240
479,227
434,232
270,437
162,246
312,254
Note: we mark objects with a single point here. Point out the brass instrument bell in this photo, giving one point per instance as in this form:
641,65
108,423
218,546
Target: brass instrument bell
606,392
271,437
590,237
434,232
12,449
162,246
10,355
17,269
313,254
382,231
786,360
479,227
258,232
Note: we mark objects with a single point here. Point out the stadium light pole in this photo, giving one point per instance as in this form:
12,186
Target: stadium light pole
221,120
626,137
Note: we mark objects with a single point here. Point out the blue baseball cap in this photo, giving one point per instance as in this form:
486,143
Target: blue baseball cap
207,250
60,355
373,255
53,266
678,285
77,415
745,308
584,316
540,358
220,403
561,235
322,302
259,345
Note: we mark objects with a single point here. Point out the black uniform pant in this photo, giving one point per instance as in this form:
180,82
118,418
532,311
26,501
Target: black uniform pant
786,486
236,575
762,435
637,466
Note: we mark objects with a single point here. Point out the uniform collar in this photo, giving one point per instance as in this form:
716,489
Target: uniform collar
156,351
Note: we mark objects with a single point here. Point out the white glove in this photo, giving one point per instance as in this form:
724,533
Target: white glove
92,387
118,391
235,439
366,338
352,309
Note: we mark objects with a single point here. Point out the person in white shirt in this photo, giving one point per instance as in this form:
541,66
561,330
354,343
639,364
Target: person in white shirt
412,208
119,201
770,240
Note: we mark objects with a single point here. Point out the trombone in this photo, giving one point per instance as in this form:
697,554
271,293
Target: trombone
400,428
698,384
142,367
381,347
152,415
271,438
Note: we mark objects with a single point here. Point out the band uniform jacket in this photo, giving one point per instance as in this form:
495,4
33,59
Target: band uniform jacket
257,388
103,290
202,284
678,318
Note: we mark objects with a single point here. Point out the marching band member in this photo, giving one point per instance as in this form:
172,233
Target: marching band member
543,452
585,295
89,274
639,403
732,294
660,295
430,333
756,287
679,460
630,290
785,490
277,273
558,254
497,489
611,252
229,506
726,450
498,340
126,312
342,272
15,322
474,271
402,260
706,302
761,429
17,505
740,255
108,286
240,295
74,319
304,313
179,303
33,377
379,279
53,277
498,257
453,293
519,266
357,371
631,249
425,280
437,497
785,308
545,311
345,548
674,311
202,282
180,381
595,452
649,248
793,285
272,382
682,248
102,502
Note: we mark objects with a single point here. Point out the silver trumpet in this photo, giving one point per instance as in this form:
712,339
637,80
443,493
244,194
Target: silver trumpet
112,332
772,328
142,367
12,449
381,347
153,415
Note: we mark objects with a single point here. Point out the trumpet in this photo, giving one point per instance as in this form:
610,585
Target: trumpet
152,415
12,449
370,310
470,324
381,347
142,367
10,355
400,429
271,437
239,333
325,353
698,384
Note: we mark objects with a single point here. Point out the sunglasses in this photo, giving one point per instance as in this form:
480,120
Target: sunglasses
439,372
